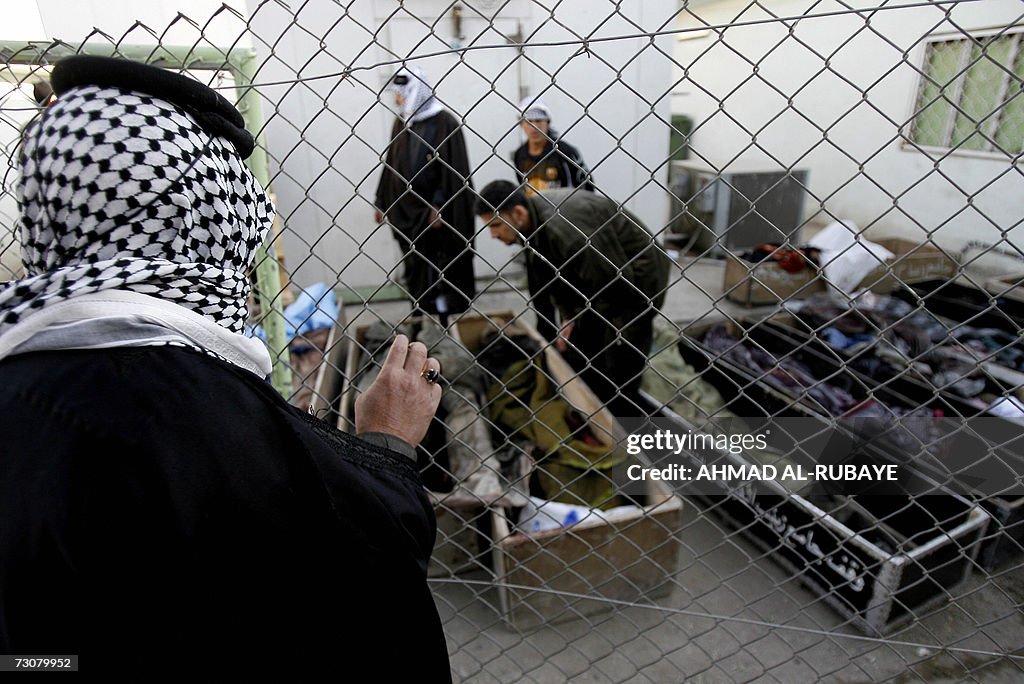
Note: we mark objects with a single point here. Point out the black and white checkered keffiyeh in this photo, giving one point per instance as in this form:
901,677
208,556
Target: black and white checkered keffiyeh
121,190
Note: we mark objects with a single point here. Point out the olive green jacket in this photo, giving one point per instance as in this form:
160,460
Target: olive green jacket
586,248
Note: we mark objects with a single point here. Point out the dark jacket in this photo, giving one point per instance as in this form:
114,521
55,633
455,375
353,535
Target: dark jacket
427,166
161,511
603,255
559,165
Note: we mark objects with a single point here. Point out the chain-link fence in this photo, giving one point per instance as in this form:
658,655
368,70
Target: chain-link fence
786,238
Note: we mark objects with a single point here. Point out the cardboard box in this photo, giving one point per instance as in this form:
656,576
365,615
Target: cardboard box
566,573
879,567
913,263
756,284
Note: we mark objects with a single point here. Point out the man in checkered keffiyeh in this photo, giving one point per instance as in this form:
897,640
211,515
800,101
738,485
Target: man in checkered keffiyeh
160,504
126,199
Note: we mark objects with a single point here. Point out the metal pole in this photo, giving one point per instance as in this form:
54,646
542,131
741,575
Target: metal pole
268,278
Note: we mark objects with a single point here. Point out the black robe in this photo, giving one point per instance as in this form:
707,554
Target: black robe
430,156
165,512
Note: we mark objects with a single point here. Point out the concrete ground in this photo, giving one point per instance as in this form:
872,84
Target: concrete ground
695,291
733,614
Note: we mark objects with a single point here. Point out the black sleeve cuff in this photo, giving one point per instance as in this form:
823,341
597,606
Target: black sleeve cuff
386,441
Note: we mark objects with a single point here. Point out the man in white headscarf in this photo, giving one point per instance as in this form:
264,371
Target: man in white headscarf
426,194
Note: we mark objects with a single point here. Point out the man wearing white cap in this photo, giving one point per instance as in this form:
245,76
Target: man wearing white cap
545,161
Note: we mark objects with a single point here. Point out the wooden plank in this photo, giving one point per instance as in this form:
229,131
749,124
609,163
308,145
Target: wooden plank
327,385
316,373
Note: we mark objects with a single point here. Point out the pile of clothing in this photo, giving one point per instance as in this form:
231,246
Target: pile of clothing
789,259
896,429
787,375
991,344
902,337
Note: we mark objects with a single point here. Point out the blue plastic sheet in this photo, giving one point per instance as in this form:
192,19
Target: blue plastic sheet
315,308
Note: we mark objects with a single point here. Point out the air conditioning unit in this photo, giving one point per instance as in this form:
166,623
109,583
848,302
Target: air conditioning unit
735,208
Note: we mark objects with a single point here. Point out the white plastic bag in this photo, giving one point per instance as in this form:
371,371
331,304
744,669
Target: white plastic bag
1008,407
540,515
847,256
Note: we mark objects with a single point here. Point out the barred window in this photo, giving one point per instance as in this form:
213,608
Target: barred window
970,96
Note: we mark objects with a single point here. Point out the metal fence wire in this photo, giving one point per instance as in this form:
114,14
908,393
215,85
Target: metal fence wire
838,188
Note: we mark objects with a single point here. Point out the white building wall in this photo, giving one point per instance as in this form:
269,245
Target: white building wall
326,136
842,121
219,23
